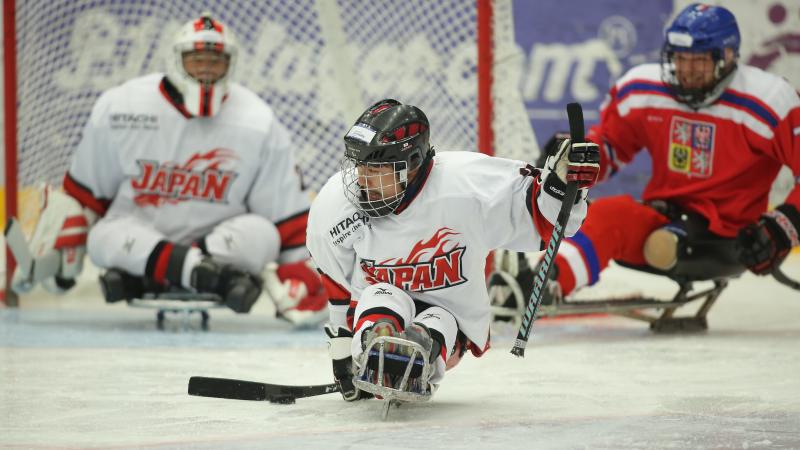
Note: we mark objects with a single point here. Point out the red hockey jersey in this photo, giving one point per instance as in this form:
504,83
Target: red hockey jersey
719,161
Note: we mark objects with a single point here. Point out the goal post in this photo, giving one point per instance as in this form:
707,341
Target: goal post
9,136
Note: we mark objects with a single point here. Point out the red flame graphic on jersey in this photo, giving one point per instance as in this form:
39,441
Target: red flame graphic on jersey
200,178
428,267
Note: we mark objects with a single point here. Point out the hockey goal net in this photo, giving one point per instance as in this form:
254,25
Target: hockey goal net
318,63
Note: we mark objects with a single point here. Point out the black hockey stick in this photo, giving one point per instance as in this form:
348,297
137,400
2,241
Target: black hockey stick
782,278
575,115
255,391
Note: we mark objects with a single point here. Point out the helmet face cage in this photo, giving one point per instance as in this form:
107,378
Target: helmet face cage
387,143
214,55
376,189
700,29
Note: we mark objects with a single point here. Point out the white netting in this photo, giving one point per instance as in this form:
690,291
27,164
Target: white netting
318,63
513,134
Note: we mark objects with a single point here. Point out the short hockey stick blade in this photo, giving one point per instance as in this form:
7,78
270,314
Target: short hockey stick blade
255,391
576,131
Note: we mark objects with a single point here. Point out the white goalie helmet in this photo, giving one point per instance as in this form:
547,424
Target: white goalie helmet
201,97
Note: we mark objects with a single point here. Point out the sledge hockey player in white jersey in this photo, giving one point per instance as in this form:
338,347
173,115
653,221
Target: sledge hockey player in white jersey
186,180
401,238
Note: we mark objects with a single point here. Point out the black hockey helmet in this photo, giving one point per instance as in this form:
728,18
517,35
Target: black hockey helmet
387,133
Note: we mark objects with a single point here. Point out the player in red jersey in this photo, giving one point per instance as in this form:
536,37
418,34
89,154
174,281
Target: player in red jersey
718,132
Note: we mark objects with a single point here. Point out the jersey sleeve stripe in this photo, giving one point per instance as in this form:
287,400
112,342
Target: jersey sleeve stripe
84,196
337,294
543,227
751,105
642,86
731,97
292,230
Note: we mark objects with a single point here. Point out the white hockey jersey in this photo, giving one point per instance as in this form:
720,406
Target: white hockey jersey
436,248
141,154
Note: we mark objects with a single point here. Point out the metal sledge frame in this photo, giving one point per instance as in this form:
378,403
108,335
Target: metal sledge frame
393,396
666,321
172,300
179,302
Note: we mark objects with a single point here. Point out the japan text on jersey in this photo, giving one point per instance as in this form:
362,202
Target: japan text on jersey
432,264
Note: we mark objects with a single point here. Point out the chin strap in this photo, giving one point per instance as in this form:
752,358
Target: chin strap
416,184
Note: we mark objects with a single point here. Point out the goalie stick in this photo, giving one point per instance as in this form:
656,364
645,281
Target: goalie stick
255,391
576,131
34,269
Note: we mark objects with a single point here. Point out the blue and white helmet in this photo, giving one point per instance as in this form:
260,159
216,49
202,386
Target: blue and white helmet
701,28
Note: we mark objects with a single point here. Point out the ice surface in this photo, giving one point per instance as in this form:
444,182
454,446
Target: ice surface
76,373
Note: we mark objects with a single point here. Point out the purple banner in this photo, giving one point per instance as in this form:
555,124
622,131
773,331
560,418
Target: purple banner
575,51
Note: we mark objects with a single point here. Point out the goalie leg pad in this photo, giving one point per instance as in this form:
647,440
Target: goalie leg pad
62,227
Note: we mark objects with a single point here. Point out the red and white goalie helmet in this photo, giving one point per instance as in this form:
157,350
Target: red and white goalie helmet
202,97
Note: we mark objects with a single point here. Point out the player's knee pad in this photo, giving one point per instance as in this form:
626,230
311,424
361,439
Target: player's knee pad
248,241
443,329
381,301
685,248
385,296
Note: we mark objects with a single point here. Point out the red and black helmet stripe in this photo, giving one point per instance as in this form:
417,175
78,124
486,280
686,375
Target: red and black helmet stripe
207,23
405,131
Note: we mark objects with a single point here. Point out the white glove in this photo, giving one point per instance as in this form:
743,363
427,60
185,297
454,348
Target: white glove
339,340
579,163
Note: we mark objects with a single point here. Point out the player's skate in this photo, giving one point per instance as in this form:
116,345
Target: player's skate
238,289
396,366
